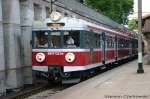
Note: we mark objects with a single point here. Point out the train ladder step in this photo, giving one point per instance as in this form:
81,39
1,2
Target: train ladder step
103,67
71,81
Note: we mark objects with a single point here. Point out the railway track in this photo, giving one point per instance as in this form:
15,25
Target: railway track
41,91
49,92
46,88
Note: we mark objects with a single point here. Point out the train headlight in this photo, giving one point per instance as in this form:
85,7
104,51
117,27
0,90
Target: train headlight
69,57
40,57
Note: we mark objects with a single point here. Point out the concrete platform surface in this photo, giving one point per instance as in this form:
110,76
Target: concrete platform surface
120,83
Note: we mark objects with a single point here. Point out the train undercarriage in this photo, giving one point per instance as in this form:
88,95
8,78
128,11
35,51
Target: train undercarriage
55,73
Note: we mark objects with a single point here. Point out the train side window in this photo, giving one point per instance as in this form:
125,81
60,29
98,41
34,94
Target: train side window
86,40
71,39
110,42
106,41
113,42
118,40
40,39
97,38
120,43
127,44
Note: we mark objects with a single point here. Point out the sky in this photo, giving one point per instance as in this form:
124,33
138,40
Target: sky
145,8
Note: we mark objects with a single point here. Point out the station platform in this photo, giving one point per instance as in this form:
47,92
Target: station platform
120,83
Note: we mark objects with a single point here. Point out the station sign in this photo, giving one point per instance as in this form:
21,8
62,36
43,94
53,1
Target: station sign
55,24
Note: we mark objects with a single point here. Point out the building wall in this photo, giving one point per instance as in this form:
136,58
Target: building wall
16,21
146,36
26,16
11,27
31,11
2,60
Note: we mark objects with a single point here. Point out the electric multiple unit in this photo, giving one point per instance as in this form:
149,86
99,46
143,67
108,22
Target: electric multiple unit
91,46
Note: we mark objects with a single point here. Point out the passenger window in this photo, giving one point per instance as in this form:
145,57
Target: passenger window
120,44
113,42
97,39
86,40
110,42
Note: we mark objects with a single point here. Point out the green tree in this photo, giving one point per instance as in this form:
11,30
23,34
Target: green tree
133,24
81,1
118,10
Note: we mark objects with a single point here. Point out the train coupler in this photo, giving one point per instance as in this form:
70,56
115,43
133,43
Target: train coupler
57,72
54,71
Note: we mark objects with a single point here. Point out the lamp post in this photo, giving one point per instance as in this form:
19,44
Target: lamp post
140,63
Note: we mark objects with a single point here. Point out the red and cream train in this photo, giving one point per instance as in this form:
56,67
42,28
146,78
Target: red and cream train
93,47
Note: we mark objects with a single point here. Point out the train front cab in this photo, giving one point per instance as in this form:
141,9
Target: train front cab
52,57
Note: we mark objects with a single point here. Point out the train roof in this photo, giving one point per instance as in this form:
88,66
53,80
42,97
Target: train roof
69,23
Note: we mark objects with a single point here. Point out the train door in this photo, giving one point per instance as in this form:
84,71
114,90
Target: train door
130,48
91,47
97,48
116,48
103,48
87,44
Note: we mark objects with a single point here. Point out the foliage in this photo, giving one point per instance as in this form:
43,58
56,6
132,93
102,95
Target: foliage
133,24
81,1
118,10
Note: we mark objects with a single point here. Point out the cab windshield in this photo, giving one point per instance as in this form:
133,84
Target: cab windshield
71,39
40,39
56,39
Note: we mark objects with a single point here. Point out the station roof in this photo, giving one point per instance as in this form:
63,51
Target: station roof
146,23
146,16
